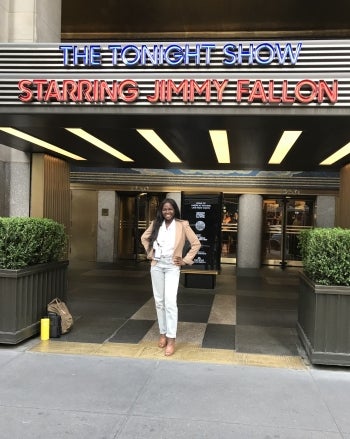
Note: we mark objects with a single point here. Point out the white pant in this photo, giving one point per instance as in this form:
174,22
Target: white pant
165,282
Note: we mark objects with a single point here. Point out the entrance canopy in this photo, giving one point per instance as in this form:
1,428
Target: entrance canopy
252,139
101,102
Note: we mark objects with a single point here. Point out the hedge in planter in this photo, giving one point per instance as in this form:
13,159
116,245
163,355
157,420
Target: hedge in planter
30,241
32,273
326,255
324,296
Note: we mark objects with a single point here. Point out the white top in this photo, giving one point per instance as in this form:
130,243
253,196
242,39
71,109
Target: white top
166,239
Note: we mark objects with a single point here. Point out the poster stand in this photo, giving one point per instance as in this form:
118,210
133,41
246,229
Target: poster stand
204,212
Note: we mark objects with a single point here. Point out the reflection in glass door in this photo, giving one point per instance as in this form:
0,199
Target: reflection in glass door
135,214
146,209
229,229
284,218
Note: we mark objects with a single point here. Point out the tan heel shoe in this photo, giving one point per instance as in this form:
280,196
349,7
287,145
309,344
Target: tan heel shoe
162,341
170,348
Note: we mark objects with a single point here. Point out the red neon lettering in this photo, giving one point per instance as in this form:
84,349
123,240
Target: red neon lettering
242,88
40,88
106,90
162,90
27,94
84,90
257,92
153,99
271,95
325,89
69,89
52,92
285,98
96,91
311,90
199,89
159,92
128,90
220,88
177,89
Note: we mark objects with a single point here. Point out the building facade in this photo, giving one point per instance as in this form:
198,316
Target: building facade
183,88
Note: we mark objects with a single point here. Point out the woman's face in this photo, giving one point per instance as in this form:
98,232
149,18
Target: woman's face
168,212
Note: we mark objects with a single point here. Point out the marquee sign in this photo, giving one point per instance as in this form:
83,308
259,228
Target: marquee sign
221,73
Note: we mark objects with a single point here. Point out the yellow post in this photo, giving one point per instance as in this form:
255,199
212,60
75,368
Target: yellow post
45,329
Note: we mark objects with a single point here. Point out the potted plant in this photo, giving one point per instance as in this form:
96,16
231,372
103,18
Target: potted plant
32,273
324,295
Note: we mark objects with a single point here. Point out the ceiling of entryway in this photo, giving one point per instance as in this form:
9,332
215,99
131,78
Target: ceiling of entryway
252,140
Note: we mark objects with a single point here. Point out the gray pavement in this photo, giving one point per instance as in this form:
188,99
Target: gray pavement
71,396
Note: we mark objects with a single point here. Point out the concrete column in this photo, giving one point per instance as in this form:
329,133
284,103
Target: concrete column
344,197
325,211
37,21
106,226
23,21
249,231
15,180
4,20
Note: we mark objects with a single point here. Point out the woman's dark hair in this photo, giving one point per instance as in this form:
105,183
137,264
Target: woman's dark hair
159,219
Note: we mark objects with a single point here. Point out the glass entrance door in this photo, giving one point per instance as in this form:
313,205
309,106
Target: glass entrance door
136,211
229,229
284,218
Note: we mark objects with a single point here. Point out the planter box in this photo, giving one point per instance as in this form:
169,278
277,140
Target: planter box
324,323
24,295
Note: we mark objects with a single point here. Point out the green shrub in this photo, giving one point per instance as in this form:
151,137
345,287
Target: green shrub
30,241
326,255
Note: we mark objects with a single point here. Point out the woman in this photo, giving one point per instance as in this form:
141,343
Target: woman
164,241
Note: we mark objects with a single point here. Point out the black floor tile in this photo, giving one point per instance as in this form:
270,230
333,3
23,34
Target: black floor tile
193,313
123,309
265,302
92,329
286,318
132,332
186,298
219,337
266,340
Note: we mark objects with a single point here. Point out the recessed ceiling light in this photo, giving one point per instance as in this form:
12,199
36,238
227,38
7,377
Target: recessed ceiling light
342,152
99,144
287,140
157,143
220,144
40,142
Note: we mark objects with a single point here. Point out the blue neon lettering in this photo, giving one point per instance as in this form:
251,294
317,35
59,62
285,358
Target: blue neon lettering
66,49
282,56
263,54
208,48
242,53
126,52
114,48
82,54
267,55
197,54
229,51
95,55
147,54
161,55
194,53
173,55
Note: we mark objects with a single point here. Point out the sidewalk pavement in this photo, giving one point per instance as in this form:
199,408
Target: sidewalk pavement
45,395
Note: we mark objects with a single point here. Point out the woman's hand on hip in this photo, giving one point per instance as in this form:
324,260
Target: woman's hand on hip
178,261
